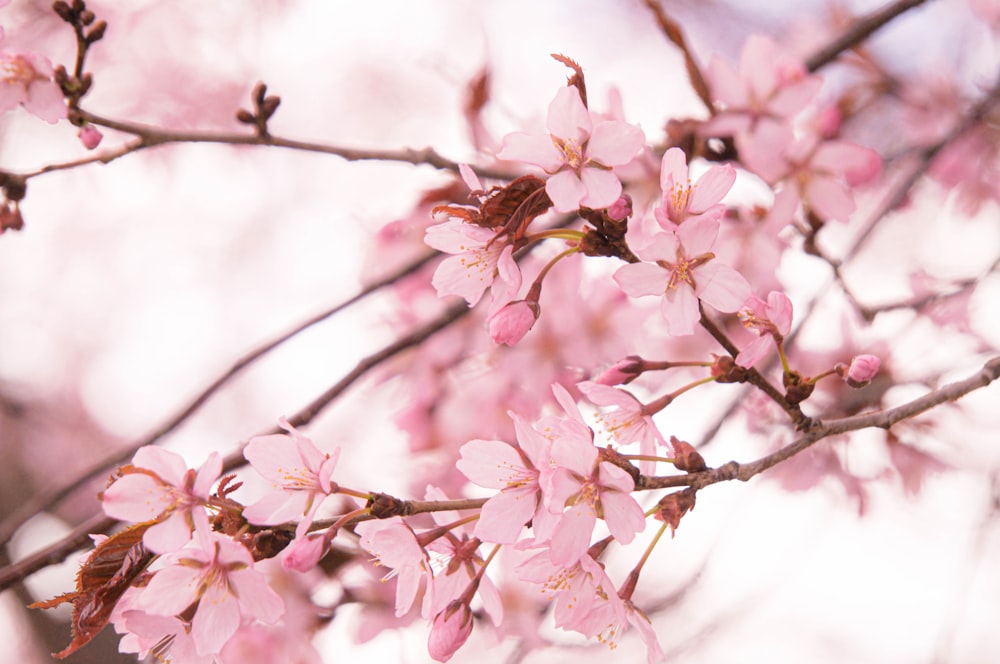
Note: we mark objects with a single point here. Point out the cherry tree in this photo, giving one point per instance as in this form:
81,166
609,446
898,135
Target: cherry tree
278,385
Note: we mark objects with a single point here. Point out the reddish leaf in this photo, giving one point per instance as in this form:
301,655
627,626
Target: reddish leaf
107,573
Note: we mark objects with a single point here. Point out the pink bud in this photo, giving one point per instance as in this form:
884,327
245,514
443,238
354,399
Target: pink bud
90,136
863,368
304,553
450,631
622,372
512,322
621,209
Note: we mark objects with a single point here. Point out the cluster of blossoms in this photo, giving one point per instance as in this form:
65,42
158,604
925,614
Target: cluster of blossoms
564,485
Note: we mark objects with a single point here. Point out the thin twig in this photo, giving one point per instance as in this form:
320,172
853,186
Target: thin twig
858,32
883,419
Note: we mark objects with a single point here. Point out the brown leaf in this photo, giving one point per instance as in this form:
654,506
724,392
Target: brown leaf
108,572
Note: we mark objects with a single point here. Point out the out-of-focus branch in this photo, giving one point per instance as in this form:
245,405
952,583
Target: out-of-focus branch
674,33
149,136
47,499
59,550
859,31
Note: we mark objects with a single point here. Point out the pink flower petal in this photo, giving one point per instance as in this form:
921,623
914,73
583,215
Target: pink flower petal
603,188
615,143
721,286
566,191
568,118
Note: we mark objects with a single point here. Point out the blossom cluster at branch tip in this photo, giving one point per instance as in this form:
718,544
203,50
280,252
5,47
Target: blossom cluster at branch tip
579,153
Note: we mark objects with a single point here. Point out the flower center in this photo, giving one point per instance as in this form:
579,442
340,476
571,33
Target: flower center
572,152
16,69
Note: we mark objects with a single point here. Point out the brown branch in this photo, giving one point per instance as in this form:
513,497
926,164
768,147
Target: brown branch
149,136
883,419
674,33
859,31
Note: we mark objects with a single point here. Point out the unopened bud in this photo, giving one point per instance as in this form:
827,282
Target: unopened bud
622,372
862,370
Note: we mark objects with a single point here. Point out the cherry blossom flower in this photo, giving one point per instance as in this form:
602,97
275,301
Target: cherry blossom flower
638,619
515,471
26,79
480,256
770,320
219,576
458,567
578,152
757,103
300,474
158,486
683,200
587,487
394,545
823,173
575,590
682,272
628,421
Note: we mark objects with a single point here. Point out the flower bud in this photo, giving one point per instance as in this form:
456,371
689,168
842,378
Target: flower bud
90,136
863,368
512,322
450,630
305,552
621,372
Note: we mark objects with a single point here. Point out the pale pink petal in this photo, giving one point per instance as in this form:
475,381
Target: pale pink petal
489,463
215,621
566,191
779,311
470,178
792,98
698,236
680,310
171,590
604,395
136,497
603,188
533,149
726,85
207,474
278,507
572,534
755,350
532,443
503,516
757,66
456,237
568,118
711,187
170,535
639,279
561,487
614,143
46,101
623,515
829,198
169,466
721,286
673,170
858,164
257,598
